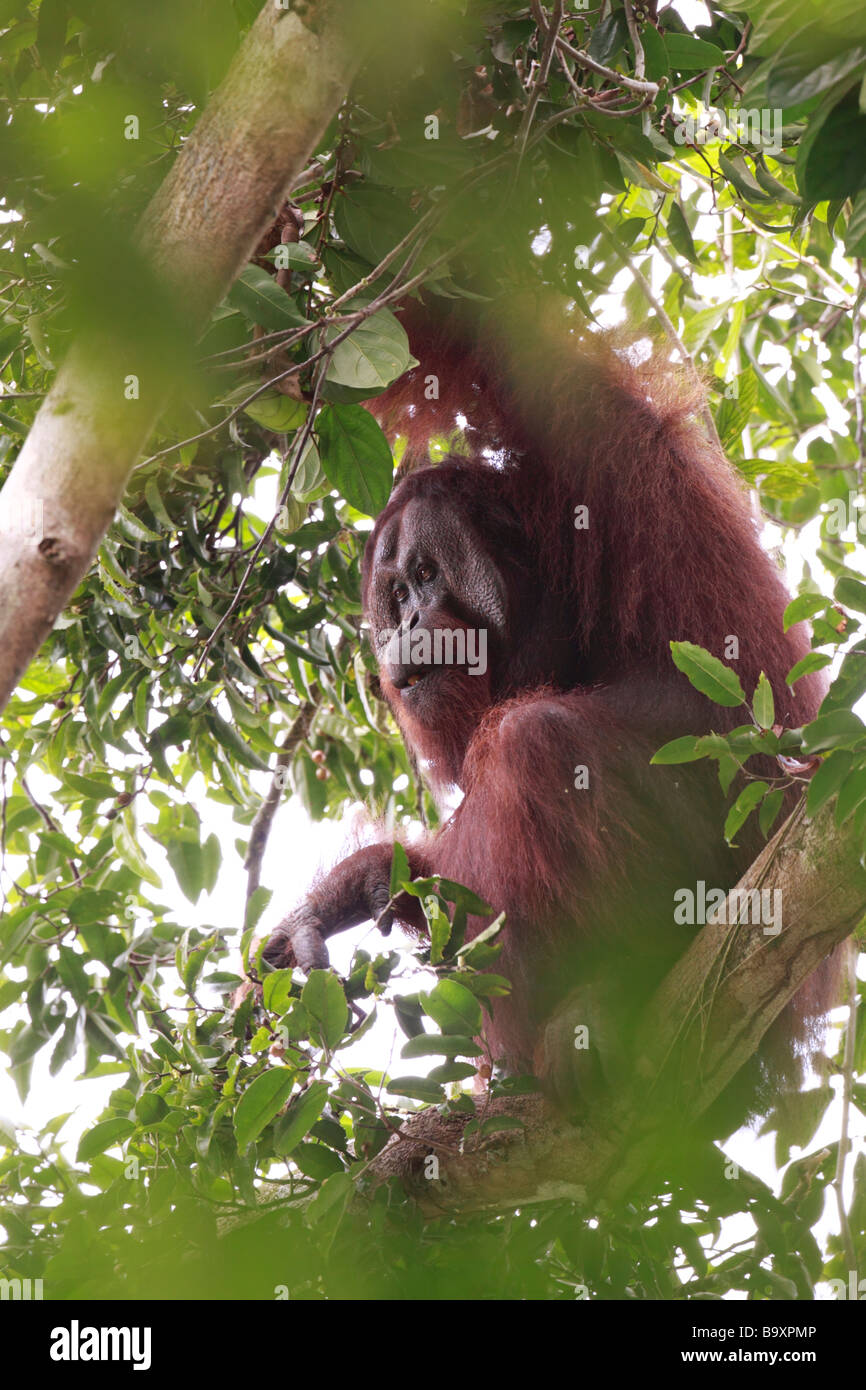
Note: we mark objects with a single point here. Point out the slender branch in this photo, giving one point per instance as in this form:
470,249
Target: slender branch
583,60
298,447
548,31
808,262
264,818
639,55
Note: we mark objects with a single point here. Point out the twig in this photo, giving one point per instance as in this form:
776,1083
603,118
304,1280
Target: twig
809,263
639,56
264,818
297,449
549,32
583,60
50,823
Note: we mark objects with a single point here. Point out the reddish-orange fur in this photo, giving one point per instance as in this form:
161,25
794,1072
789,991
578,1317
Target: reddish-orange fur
557,421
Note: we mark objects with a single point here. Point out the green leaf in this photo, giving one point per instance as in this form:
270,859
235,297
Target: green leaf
793,78
400,871
417,1088
835,730
480,945
735,411
453,1008
743,807
374,354
451,1071
680,234
133,525
737,172
434,1045
150,1108
229,738
773,186
295,255
707,674
256,906
763,706
309,482
89,787
130,853
325,1001
277,991
812,661
371,220
679,750
699,326
851,793
608,39
318,1162
103,1136
335,1193
277,412
300,1117
688,54
211,859
834,165
657,61
463,897
851,593
439,926
855,232
803,607
260,1102
263,301
355,456
51,32
153,497
850,682
185,858
92,905
729,766
770,808
827,780
641,174
496,1124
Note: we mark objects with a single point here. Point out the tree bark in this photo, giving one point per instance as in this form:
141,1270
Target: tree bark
704,1023
225,187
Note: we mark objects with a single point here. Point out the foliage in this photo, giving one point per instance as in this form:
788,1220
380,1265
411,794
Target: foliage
217,641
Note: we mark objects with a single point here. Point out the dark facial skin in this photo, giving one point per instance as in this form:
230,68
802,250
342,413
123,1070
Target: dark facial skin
430,573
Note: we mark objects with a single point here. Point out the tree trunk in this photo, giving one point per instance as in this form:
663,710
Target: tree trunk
225,187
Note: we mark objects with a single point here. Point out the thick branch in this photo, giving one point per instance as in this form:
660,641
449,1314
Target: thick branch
704,1023
224,189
